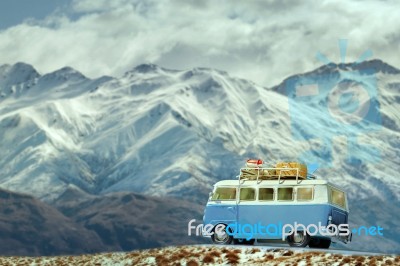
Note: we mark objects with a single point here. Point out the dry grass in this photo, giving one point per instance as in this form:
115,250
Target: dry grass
288,253
200,255
224,250
232,257
254,250
192,263
215,253
268,257
237,251
208,259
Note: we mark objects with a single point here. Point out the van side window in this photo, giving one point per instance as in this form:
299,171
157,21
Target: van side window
266,194
304,193
247,194
338,198
285,193
224,193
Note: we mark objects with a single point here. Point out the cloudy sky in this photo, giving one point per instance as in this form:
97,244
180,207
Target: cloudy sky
264,41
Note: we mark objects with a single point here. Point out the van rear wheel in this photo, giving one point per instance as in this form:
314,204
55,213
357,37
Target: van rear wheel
298,239
220,235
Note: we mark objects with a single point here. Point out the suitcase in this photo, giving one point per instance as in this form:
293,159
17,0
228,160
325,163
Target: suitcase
292,172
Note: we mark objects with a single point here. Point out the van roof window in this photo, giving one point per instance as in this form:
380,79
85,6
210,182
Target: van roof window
266,194
247,193
304,193
285,193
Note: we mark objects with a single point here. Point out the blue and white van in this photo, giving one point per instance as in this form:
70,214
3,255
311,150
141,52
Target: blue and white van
254,208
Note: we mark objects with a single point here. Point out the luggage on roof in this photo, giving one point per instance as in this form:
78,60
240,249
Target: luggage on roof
256,169
293,169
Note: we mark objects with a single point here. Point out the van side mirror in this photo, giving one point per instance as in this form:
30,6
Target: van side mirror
210,194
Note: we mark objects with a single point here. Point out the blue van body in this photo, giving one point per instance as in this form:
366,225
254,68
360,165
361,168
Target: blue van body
324,205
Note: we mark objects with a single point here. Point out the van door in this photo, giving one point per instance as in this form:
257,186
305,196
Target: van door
222,208
247,213
339,213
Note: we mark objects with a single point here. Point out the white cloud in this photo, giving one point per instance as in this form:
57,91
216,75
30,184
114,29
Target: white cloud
264,41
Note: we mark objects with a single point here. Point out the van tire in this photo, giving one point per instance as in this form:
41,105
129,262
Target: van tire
300,240
319,243
222,239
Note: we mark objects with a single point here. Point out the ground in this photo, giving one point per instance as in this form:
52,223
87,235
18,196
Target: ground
213,255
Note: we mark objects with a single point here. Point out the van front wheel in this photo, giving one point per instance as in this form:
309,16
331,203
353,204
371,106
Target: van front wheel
298,239
220,235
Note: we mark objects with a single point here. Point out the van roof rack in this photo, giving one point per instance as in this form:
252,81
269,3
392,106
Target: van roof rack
272,173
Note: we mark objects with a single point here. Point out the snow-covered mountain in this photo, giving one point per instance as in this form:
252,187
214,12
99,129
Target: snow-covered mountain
162,132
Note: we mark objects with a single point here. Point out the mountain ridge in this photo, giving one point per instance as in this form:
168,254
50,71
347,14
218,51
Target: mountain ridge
30,227
91,224
175,133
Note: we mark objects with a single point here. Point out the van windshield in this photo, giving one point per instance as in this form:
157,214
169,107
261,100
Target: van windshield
338,198
224,193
